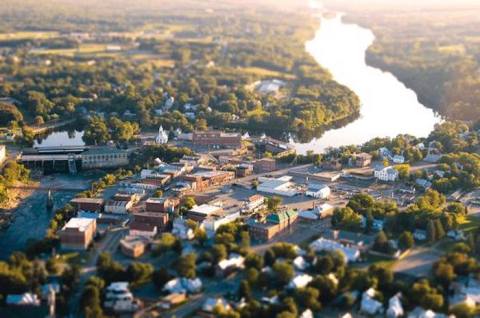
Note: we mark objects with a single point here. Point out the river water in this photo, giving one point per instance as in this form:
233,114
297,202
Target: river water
31,218
388,108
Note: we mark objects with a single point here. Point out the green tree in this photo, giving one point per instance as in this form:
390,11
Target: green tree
244,290
283,272
96,132
406,241
186,266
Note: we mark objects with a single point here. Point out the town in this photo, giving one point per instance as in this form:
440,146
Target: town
217,204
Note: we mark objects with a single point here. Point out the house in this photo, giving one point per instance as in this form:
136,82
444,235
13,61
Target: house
385,153
216,139
282,186
318,190
369,305
351,253
254,203
88,204
274,224
78,233
395,308
142,229
362,159
181,230
425,184
212,304
133,246
264,165
201,212
398,159
332,165
300,281
386,174
324,210
227,266
118,207
119,299
183,285
172,300
162,205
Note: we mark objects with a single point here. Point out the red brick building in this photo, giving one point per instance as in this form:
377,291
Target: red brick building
264,165
88,204
274,224
216,139
163,205
78,233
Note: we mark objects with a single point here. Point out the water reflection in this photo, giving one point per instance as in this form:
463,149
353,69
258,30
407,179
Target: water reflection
388,107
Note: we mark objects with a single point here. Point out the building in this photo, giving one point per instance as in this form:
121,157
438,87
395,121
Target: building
163,204
142,229
118,207
78,233
213,222
362,159
228,266
105,157
215,177
254,203
274,224
386,173
201,212
216,139
159,219
351,253
281,186
243,170
88,204
398,159
318,190
162,137
133,246
264,165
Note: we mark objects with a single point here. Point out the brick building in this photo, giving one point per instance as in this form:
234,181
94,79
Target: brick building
274,224
78,233
216,139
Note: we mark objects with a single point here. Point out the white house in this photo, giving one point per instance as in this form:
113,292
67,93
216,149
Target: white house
369,305
386,174
300,281
350,253
318,190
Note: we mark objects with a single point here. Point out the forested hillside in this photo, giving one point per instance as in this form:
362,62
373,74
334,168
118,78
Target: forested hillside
128,59
435,51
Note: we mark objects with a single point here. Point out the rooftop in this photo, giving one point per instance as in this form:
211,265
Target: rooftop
205,209
82,224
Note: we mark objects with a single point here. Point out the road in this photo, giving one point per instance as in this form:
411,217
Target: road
108,244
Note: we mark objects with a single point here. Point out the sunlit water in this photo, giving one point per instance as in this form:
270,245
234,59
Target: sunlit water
388,108
61,138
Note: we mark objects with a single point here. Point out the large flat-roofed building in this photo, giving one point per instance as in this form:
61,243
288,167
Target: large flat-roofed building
105,157
78,233
118,207
281,186
201,212
216,139
88,204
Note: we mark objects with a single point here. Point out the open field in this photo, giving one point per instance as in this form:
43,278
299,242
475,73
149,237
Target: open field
26,35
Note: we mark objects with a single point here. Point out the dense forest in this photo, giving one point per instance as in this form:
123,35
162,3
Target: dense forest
153,66
434,51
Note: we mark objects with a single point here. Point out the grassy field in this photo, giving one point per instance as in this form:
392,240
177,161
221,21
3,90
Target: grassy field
83,49
27,35
263,72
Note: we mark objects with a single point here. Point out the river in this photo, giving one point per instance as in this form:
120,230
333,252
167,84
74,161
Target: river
31,218
388,107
